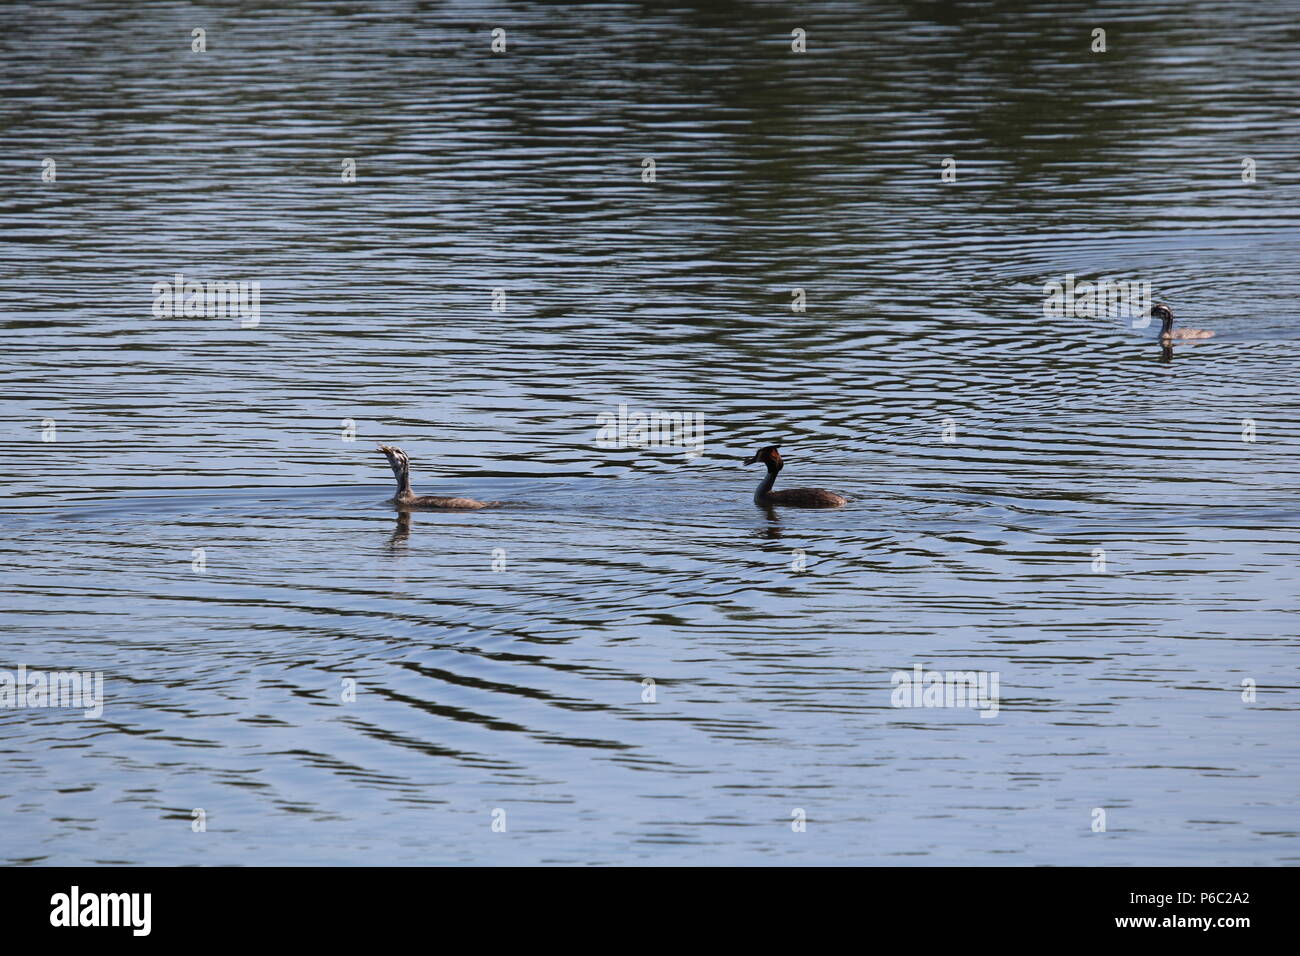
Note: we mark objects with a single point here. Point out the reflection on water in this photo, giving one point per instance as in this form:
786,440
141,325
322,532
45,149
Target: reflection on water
1061,502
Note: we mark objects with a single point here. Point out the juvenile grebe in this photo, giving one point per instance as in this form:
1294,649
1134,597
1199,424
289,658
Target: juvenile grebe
793,497
1168,332
408,499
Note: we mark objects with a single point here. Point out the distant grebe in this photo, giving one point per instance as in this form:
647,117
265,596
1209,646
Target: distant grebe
408,499
1168,332
792,497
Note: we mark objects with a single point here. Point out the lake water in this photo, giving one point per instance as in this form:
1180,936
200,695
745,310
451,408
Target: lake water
1053,502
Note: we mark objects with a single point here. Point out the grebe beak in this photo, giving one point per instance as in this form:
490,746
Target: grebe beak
751,459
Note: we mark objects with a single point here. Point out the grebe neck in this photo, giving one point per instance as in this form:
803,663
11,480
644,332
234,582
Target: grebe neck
1167,326
404,483
765,486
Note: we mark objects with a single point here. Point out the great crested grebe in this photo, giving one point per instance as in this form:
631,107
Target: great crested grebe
792,497
406,498
1167,331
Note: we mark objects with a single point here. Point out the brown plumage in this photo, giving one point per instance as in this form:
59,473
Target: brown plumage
791,497
1167,331
406,498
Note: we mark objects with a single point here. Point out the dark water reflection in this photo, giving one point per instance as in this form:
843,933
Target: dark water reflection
521,688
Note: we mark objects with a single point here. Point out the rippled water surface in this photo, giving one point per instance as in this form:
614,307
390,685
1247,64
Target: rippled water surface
500,658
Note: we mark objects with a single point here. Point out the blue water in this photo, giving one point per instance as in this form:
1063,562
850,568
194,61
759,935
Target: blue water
499,659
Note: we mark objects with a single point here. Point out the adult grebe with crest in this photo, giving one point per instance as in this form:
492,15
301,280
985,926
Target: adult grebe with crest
790,497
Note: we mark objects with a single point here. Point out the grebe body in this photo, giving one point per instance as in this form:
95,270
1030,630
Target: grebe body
406,498
791,497
1170,334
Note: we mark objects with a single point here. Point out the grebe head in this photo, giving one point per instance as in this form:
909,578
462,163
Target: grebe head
393,453
1164,314
768,456
397,460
